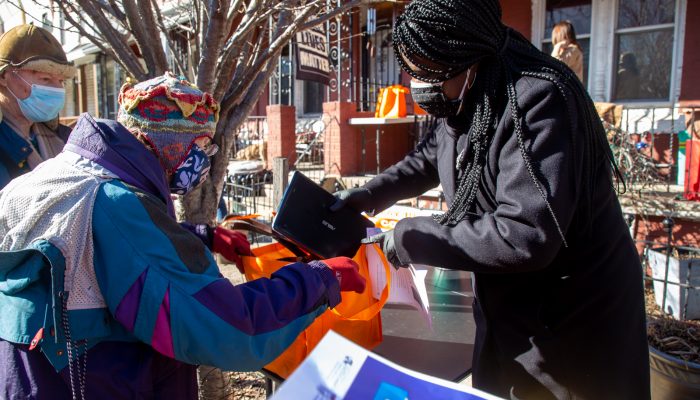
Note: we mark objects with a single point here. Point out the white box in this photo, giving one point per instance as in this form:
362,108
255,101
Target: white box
683,302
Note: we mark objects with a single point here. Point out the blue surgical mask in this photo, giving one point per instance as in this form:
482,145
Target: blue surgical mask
191,172
44,102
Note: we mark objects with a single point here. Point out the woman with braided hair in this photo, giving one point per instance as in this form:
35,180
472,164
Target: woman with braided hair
528,176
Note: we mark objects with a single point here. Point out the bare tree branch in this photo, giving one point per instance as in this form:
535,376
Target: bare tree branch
284,32
110,10
68,14
32,16
233,67
149,21
234,9
233,50
118,14
249,22
194,38
213,41
255,88
137,28
201,32
117,42
171,44
327,16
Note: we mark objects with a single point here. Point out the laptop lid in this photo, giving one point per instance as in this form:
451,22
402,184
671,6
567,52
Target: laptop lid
304,218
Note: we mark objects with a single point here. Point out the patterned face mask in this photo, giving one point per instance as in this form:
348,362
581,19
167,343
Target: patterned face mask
193,171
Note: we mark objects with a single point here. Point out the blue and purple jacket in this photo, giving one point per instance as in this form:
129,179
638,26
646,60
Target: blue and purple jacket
168,306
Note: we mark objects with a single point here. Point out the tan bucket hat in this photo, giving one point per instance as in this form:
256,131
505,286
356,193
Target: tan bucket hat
31,47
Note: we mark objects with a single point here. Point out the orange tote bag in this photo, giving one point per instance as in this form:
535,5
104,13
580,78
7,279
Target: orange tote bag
357,316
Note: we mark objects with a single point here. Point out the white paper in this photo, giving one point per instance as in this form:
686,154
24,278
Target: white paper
407,283
341,370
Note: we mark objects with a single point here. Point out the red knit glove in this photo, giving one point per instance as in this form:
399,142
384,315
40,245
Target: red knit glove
232,245
348,274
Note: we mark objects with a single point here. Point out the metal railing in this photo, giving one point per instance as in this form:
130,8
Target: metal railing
251,132
248,183
249,189
369,93
671,271
648,145
310,134
633,154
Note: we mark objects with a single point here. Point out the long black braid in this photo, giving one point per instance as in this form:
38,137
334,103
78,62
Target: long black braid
443,38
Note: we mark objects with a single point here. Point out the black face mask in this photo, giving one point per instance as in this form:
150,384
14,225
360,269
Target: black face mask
431,98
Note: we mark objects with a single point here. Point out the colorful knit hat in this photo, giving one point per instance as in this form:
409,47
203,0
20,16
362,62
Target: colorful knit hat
170,114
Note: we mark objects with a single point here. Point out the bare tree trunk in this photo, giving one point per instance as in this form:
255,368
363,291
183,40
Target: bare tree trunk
211,46
200,205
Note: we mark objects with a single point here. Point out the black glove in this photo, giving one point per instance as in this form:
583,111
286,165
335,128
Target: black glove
356,198
385,240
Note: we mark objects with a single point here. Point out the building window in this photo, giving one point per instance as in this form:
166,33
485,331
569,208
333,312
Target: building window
579,14
314,93
643,50
631,49
109,79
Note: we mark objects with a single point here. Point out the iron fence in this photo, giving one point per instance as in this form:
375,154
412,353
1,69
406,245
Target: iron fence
633,155
248,182
252,132
310,134
651,150
649,146
671,271
249,189
370,92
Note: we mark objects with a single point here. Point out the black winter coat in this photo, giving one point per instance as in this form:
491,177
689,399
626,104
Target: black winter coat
552,321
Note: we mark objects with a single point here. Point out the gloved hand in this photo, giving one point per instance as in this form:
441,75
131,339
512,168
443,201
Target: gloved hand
385,240
348,274
231,244
356,198
202,231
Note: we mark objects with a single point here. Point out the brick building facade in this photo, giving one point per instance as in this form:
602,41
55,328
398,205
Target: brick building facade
605,33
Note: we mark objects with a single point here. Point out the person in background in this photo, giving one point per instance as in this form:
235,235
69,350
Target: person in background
566,47
627,84
527,173
33,69
105,296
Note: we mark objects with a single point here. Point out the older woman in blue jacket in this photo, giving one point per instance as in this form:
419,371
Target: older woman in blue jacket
105,296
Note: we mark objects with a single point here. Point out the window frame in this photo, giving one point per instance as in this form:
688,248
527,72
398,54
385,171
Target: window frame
676,55
602,63
539,24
